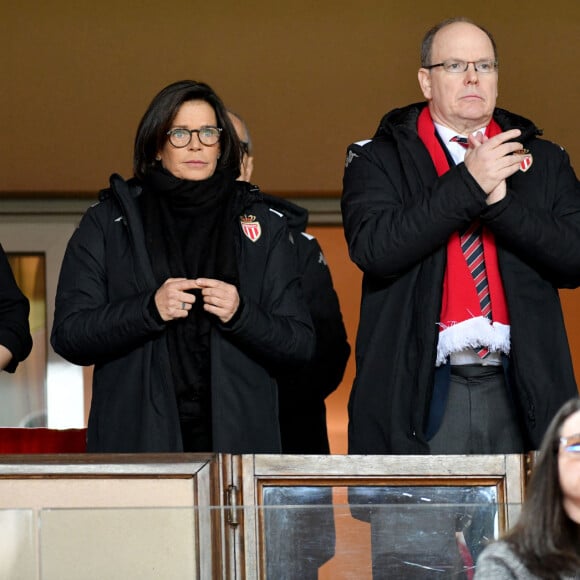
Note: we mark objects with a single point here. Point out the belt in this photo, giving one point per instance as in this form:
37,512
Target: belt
469,357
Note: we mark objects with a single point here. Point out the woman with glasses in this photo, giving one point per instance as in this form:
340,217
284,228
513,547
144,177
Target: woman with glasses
181,288
545,542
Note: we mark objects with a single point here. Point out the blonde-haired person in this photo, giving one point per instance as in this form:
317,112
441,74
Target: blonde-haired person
545,542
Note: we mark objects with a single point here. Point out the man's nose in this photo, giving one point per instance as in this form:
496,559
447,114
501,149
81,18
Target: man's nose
471,75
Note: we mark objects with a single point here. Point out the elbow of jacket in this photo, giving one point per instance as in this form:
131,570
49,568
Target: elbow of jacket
67,351
565,277
307,348
378,266
300,350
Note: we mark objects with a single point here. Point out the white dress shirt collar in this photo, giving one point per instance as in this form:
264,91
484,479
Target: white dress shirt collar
456,150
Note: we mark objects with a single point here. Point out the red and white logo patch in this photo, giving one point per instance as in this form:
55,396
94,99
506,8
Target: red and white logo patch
251,228
526,163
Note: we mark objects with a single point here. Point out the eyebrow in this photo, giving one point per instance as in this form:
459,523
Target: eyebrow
187,127
570,437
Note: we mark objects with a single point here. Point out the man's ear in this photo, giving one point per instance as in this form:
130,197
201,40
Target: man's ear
424,77
249,167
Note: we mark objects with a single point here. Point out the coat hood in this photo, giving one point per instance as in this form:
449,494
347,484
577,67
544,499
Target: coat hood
296,216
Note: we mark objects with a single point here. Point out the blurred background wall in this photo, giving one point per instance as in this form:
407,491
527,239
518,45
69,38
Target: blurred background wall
309,77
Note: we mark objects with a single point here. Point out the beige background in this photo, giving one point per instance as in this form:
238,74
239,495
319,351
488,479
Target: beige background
309,78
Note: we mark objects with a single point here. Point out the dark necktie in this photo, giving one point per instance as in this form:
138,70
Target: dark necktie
472,247
461,140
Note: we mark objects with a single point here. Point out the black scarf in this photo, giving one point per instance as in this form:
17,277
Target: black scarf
189,228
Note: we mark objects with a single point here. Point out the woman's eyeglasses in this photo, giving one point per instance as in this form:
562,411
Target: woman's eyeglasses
571,444
181,137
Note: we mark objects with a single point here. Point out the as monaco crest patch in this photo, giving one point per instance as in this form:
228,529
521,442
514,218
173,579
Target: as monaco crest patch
527,161
251,228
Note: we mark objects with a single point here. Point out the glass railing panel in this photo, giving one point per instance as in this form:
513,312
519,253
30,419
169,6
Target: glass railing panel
143,543
18,550
378,541
318,540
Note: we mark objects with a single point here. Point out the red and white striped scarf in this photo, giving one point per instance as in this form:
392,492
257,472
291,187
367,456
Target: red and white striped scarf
462,324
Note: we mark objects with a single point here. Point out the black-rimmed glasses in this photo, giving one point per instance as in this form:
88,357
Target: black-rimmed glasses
460,66
181,137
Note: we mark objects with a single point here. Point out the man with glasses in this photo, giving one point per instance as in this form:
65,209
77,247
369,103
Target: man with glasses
308,539
247,163
465,223
302,391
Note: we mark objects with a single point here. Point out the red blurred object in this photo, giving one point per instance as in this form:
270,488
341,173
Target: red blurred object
42,440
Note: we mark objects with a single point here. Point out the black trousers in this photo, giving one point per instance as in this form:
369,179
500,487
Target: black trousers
479,417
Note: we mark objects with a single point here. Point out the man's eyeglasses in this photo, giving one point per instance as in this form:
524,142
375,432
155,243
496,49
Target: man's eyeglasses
181,137
571,444
245,147
460,66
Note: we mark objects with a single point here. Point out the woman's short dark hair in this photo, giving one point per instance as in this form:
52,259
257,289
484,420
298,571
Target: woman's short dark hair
152,131
427,44
545,538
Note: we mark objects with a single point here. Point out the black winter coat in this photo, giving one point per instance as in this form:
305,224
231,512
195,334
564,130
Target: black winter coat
398,215
302,390
102,317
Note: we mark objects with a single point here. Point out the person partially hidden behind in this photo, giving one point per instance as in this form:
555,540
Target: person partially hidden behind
465,224
181,287
545,542
15,339
302,390
302,537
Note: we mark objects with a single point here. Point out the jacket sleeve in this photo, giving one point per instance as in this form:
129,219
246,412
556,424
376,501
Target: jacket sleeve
539,219
14,311
498,561
397,211
88,326
326,369
276,326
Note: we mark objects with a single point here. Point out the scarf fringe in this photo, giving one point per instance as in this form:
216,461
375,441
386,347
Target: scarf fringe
472,333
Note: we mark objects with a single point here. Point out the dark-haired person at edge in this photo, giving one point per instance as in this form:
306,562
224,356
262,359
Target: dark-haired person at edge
181,287
15,339
545,542
465,224
303,389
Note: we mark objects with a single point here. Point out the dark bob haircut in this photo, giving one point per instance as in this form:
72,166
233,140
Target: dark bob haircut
158,118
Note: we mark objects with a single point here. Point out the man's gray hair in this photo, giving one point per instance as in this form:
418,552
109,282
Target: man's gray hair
427,44
248,140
